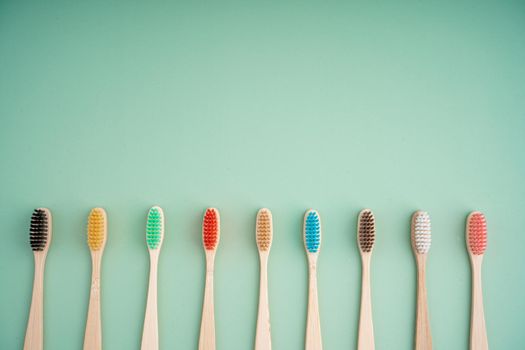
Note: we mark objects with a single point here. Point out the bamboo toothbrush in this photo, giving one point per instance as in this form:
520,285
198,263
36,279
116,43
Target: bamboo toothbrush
154,239
421,239
312,244
476,246
366,232
263,235
96,239
210,240
39,240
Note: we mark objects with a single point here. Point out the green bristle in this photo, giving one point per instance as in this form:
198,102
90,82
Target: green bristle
154,228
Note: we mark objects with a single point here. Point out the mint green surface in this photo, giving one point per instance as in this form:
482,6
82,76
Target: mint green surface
287,105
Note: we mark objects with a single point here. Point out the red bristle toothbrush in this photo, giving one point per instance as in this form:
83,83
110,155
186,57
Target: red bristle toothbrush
210,240
476,245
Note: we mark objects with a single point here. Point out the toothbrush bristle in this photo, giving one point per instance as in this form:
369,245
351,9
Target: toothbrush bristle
312,231
367,230
421,232
477,233
96,229
155,227
264,229
210,229
38,230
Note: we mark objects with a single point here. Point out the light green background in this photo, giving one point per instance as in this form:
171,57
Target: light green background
332,105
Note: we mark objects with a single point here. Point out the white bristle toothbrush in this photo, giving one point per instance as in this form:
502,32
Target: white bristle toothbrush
421,239
312,244
366,232
39,240
154,239
263,236
476,245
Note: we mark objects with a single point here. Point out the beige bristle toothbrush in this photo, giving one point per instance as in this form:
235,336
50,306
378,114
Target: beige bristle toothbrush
421,239
263,236
40,231
210,241
476,245
312,244
96,239
154,239
366,232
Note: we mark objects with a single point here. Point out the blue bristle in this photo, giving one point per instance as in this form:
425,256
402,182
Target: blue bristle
312,232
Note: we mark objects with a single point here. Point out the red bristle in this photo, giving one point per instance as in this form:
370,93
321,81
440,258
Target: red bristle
477,233
210,229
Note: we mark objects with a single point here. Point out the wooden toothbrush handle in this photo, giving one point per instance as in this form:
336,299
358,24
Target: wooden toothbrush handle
423,334
313,323
34,339
366,327
150,333
207,334
263,338
478,330
93,336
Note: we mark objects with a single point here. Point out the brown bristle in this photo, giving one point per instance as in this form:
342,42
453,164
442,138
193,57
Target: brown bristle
210,229
367,231
264,229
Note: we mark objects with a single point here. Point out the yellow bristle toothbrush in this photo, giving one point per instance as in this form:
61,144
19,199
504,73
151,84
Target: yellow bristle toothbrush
263,236
96,239
421,239
366,232
39,240
312,244
154,239
210,241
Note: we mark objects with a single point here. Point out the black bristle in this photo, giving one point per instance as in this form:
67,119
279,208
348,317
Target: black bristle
367,231
38,230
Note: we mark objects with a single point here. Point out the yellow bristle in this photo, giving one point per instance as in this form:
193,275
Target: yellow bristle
96,229
264,229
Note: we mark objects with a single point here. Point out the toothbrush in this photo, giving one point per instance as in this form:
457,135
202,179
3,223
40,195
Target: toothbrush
312,244
476,246
366,232
210,240
263,235
39,240
96,239
154,239
421,239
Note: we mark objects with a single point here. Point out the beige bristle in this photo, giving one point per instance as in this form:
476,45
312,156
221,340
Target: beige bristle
264,230
96,229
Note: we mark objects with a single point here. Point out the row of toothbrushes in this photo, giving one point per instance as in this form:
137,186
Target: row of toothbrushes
40,238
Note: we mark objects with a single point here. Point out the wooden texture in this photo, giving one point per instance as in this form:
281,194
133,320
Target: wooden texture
150,333
478,330
313,339
263,338
93,336
423,338
207,333
366,327
34,339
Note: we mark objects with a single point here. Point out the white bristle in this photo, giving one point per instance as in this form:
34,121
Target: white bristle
422,232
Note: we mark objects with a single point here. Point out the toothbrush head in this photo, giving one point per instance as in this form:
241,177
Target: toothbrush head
421,232
40,229
264,230
211,229
155,228
97,229
366,232
312,231
476,233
